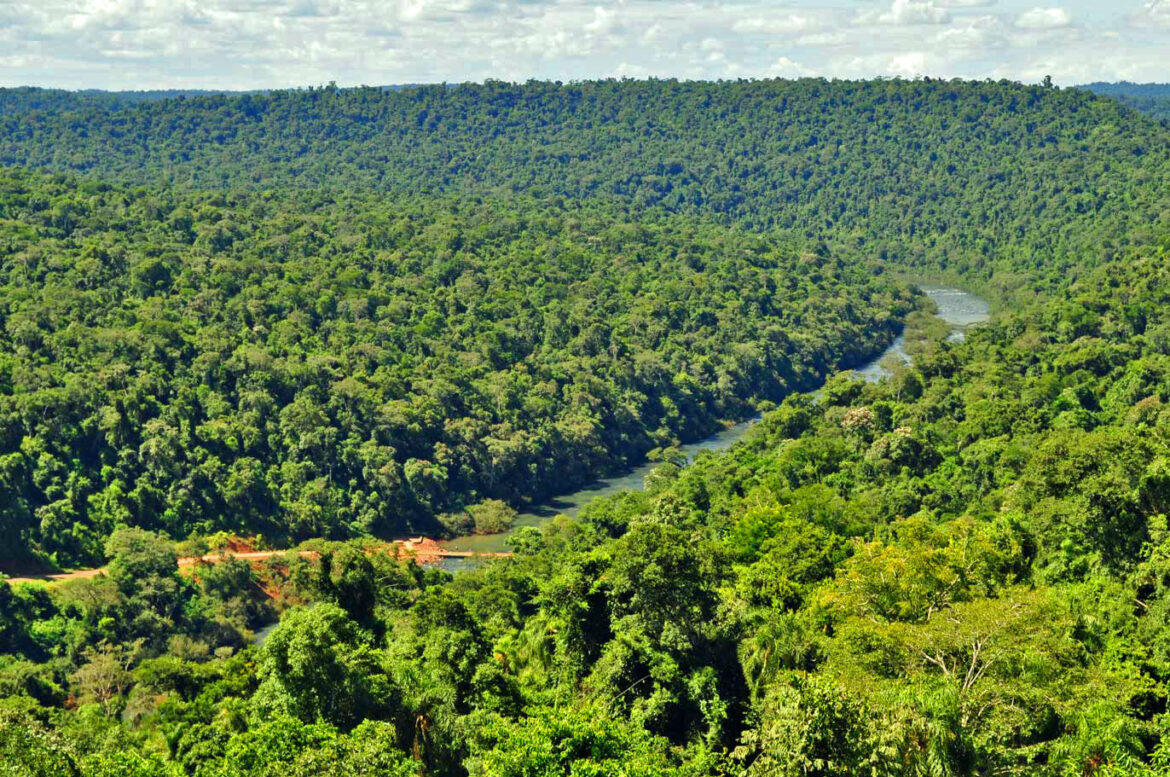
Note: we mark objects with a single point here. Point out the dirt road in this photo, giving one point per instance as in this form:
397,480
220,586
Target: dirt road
421,550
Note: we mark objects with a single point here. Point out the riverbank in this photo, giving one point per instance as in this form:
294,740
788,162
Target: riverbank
959,308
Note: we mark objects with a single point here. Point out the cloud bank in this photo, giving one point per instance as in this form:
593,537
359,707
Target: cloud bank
245,44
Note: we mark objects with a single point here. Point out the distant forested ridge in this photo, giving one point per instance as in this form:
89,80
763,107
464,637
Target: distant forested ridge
1152,99
969,177
316,365
37,98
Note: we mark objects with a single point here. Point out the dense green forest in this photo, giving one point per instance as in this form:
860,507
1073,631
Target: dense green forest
966,176
1153,99
320,366
340,314
960,570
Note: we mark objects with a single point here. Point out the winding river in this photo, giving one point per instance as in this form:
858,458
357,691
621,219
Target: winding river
961,309
958,308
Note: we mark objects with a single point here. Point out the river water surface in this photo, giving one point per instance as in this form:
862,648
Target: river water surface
958,308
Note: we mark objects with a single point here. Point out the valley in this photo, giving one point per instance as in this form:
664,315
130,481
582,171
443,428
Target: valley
815,427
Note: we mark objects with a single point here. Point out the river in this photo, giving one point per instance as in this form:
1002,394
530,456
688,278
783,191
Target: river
961,309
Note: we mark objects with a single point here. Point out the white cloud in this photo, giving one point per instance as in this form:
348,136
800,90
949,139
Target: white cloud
142,44
910,64
973,35
822,39
787,68
1155,12
314,8
907,12
786,24
626,70
603,21
411,9
1044,19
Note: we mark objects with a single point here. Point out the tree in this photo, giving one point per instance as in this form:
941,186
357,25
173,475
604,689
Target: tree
106,676
29,749
811,728
144,566
350,581
318,665
491,516
573,743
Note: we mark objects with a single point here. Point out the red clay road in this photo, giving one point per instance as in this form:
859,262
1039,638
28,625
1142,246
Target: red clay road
422,551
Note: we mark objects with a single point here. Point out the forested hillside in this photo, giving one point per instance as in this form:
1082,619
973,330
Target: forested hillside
965,176
332,314
1152,99
320,366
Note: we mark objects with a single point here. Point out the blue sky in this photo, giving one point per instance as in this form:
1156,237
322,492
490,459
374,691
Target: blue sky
245,44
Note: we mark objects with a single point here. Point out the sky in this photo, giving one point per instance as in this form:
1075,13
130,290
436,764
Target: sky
256,44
